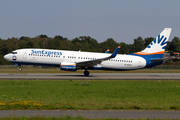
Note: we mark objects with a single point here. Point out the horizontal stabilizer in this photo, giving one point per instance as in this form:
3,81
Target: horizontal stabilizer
162,59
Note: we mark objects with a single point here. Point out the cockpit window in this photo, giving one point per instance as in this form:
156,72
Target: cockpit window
14,52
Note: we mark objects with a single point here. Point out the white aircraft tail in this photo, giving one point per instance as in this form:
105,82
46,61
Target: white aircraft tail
158,45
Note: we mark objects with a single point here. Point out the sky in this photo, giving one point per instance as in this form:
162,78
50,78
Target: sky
122,20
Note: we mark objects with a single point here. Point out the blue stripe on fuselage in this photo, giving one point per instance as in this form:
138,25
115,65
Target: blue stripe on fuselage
148,59
38,64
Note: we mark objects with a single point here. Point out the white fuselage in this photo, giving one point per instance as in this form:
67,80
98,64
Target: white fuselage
56,57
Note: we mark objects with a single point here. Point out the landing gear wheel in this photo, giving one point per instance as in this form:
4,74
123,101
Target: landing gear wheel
86,73
20,69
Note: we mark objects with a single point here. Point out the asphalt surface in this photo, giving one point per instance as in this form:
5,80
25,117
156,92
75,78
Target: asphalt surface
94,76
94,114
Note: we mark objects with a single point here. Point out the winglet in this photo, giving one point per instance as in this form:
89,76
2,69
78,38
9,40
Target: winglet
115,52
107,51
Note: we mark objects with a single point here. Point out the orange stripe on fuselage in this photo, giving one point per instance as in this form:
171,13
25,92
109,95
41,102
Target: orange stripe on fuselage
143,53
68,64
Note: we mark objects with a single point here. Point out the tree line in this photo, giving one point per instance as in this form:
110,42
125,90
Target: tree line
83,43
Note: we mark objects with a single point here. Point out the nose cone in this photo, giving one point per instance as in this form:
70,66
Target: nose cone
7,57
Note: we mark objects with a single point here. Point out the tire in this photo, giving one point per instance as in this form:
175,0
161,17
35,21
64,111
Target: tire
86,73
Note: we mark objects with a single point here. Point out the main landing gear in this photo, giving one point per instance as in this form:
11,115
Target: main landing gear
86,73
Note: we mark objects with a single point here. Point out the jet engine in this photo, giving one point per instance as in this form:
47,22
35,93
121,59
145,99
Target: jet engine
68,66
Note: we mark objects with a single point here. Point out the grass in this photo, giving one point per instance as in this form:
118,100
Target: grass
89,95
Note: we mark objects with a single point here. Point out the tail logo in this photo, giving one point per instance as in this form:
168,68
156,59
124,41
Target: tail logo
159,41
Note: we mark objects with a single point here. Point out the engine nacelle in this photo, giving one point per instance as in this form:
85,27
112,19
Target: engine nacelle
68,66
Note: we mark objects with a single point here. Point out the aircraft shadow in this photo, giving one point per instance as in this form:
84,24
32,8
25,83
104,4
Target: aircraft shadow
75,76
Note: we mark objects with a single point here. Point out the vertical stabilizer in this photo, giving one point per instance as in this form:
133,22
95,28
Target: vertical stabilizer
158,45
153,53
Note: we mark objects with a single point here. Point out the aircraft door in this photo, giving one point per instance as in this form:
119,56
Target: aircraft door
24,55
139,62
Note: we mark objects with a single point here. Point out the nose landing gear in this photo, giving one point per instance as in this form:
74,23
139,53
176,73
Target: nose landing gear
19,68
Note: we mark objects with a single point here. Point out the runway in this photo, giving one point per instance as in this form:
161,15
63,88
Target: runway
93,76
94,114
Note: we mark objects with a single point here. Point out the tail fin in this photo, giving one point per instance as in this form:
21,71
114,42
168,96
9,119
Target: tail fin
158,45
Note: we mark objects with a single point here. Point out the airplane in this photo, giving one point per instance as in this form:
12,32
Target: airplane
151,56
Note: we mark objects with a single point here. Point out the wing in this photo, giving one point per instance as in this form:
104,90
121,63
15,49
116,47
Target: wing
98,61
